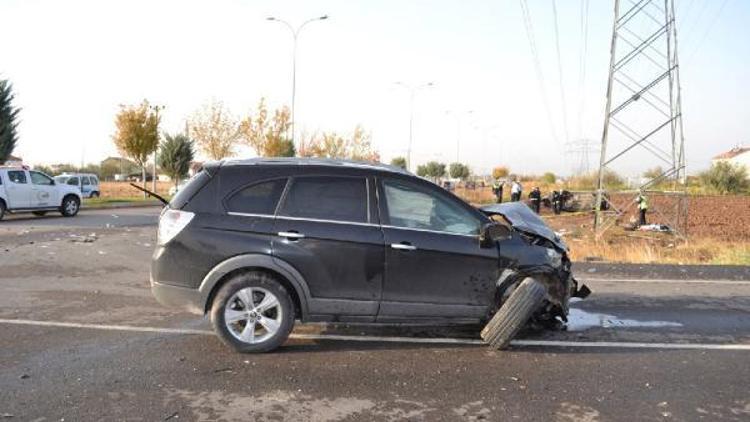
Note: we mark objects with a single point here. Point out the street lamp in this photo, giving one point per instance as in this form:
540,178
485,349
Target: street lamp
457,115
412,92
295,34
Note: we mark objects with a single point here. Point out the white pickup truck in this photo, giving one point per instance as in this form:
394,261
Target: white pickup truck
24,190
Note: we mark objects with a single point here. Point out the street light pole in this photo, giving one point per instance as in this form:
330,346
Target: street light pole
295,34
457,115
412,92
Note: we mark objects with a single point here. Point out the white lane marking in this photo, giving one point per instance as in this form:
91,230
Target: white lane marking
662,281
336,337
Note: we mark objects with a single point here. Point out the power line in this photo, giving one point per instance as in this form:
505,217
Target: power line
537,65
560,73
705,34
582,63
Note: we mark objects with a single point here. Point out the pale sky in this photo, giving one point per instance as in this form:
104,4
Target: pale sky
73,62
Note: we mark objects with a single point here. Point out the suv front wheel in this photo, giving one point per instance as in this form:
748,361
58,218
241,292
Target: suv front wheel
252,313
70,206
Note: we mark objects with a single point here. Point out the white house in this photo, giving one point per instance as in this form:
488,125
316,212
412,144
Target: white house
736,155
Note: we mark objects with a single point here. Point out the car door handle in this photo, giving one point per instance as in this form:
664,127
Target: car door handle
403,246
291,235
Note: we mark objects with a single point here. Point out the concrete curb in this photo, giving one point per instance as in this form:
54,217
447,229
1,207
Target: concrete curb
121,205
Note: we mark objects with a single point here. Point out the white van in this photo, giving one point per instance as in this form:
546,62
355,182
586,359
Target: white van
88,183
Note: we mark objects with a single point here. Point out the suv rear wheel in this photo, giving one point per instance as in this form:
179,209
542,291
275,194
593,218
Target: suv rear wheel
252,313
2,209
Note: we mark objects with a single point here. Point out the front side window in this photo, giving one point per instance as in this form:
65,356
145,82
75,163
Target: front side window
327,198
412,206
73,181
17,177
41,179
260,198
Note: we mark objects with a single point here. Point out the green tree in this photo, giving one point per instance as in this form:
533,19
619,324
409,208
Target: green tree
399,162
422,170
435,170
175,156
268,136
8,121
500,172
549,178
137,133
459,171
726,178
215,130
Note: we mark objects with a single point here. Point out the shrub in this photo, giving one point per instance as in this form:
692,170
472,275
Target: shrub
726,178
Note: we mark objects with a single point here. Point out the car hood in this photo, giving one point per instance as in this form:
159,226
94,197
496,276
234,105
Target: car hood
522,218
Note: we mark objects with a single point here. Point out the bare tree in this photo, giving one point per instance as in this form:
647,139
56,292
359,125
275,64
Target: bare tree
215,130
268,136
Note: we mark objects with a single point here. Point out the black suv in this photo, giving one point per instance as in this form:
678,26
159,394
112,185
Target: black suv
259,243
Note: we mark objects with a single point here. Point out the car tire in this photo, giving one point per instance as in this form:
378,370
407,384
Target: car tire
70,206
39,213
2,209
271,314
94,195
514,313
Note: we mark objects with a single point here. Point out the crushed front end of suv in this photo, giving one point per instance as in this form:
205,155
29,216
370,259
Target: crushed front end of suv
258,244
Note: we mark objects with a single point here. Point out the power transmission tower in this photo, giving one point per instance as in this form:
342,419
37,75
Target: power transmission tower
580,150
643,115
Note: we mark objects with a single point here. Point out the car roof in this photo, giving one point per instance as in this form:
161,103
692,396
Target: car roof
323,162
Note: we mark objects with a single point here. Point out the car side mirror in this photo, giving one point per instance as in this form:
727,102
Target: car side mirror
492,232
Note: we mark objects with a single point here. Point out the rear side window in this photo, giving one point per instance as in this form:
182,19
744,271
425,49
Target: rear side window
85,181
260,198
327,198
17,177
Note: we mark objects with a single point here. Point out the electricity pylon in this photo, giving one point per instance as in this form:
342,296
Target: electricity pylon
643,115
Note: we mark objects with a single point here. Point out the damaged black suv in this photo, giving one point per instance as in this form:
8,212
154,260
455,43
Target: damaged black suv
260,243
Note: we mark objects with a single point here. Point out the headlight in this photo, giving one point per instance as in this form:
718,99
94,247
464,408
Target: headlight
554,256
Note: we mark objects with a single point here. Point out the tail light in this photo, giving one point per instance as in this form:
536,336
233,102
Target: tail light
171,224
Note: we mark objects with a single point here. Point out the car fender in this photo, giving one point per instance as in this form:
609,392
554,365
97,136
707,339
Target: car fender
267,262
66,190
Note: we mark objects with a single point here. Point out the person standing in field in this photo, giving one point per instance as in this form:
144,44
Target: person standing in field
535,196
642,202
515,191
497,190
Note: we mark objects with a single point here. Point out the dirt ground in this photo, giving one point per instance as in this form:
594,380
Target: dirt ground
717,228
124,190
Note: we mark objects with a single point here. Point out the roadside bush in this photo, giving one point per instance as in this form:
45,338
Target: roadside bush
726,178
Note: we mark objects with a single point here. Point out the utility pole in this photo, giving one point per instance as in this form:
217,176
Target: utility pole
295,35
412,93
643,112
458,115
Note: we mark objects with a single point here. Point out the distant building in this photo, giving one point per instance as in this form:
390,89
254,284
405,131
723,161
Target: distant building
14,161
736,155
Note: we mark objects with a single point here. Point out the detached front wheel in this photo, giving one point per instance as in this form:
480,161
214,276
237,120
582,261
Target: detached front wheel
514,314
253,313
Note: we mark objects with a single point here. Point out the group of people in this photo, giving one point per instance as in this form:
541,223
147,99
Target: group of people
535,196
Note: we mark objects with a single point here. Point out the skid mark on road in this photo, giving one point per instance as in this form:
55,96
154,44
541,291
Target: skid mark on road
393,339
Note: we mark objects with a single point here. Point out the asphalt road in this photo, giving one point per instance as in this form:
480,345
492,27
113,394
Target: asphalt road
82,339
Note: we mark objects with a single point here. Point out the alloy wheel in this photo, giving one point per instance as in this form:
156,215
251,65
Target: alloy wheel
253,315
